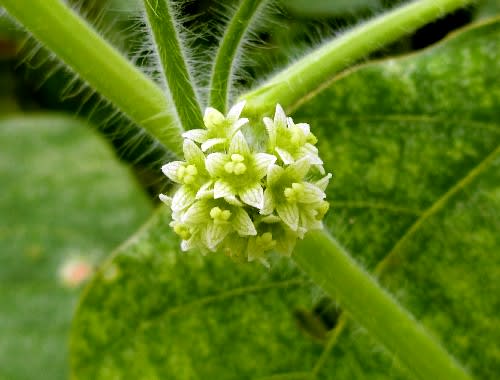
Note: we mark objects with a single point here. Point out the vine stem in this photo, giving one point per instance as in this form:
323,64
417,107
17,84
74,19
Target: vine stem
220,81
331,267
76,43
309,73
169,47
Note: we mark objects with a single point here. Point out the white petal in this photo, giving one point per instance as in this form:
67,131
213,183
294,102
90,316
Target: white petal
232,200
213,118
237,125
262,163
210,143
215,163
271,130
239,145
253,196
304,127
198,213
170,170
299,169
242,223
289,213
165,199
198,135
274,173
205,191
312,193
269,203
183,198
286,157
215,233
235,111
280,117
193,154
186,245
222,189
311,152
321,169
323,182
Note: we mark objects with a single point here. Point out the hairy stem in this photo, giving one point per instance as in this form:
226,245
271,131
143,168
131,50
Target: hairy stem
76,43
309,73
170,50
331,267
225,58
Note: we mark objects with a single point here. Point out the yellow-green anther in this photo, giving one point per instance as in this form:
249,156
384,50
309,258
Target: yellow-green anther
236,165
219,215
322,210
239,168
187,174
266,240
235,157
182,231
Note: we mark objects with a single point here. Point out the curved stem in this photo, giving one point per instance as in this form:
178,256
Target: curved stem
310,72
224,60
331,267
170,51
76,43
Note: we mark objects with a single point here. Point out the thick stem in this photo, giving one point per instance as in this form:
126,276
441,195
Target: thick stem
331,267
173,60
76,43
225,58
309,73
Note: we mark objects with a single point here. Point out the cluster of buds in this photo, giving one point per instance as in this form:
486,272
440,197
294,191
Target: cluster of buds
235,198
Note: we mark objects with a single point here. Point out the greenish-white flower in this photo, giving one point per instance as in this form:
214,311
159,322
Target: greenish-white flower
191,174
297,202
241,200
239,172
291,141
207,222
219,128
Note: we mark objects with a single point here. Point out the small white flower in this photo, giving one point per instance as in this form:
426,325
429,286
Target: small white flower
239,172
291,141
191,174
220,129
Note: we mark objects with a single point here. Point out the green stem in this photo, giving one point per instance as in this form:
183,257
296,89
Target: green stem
331,267
309,73
170,51
225,58
76,43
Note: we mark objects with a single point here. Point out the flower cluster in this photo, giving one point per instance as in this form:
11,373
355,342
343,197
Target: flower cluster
237,199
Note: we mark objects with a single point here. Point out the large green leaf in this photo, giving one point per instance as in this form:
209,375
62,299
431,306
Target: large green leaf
64,197
413,145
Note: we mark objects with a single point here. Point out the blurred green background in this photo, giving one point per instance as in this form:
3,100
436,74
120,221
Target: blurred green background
75,187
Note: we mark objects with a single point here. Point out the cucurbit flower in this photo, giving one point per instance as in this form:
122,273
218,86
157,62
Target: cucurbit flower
244,202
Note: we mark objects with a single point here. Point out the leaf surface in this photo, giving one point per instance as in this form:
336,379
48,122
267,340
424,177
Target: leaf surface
63,197
413,144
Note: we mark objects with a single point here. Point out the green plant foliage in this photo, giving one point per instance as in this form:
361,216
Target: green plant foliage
64,196
414,147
